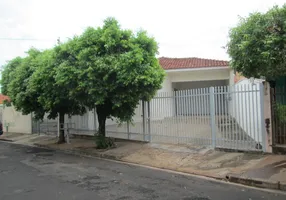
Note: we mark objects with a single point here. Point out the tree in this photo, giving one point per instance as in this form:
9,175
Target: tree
52,97
257,45
30,83
113,69
16,83
7,77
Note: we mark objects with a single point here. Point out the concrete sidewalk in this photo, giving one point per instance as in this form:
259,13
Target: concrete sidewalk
255,169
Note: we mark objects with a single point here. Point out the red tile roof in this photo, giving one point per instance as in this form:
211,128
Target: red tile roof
3,98
189,63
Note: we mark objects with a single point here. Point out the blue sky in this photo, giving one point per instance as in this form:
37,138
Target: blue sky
183,28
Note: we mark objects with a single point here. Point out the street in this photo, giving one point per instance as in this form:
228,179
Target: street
28,173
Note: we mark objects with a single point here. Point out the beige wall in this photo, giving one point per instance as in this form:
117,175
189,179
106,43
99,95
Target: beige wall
199,84
199,75
16,122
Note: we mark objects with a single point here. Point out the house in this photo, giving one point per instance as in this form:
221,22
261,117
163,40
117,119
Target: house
192,73
188,74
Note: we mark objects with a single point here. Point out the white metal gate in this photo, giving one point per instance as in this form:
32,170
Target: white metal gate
221,117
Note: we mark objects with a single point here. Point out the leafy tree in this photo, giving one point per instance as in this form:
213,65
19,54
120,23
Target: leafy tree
53,98
111,69
30,83
16,83
7,77
257,45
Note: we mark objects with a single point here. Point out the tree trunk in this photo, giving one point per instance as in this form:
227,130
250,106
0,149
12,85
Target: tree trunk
62,138
101,120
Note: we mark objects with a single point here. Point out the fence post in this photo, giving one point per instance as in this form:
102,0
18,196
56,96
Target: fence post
149,121
95,121
263,132
212,113
128,131
144,120
59,126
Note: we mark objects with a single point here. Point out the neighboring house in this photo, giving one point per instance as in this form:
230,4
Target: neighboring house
3,98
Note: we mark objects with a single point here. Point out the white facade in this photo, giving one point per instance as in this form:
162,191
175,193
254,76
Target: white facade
15,122
186,79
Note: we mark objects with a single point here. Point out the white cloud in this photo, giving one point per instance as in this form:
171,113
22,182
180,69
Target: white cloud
183,28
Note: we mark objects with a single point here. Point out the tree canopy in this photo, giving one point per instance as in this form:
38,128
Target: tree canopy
107,68
114,69
257,45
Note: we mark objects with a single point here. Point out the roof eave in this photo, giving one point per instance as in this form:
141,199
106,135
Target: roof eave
197,69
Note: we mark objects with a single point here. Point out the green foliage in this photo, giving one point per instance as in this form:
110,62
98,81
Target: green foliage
106,68
257,45
281,112
113,69
53,98
8,70
103,142
18,84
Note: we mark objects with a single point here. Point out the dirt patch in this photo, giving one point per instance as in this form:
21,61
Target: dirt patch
80,144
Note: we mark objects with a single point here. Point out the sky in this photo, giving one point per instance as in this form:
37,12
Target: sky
183,28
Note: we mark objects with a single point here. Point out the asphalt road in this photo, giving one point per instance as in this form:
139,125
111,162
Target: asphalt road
30,173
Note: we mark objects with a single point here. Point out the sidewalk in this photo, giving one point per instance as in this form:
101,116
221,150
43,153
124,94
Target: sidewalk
266,171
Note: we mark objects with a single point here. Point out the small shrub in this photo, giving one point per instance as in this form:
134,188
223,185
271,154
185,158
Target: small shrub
104,142
281,113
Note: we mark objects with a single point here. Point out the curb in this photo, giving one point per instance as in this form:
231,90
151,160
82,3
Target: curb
6,140
276,185
80,153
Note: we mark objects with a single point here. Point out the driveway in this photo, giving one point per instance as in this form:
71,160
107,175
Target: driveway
28,173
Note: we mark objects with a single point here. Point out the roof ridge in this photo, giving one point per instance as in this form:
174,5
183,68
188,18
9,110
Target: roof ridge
190,62
192,58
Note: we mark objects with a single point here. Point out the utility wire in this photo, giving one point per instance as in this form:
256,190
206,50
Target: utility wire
26,39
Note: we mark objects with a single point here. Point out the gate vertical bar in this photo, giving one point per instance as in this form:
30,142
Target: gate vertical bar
95,121
144,120
58,125
149,121
212,113
263,133
128,131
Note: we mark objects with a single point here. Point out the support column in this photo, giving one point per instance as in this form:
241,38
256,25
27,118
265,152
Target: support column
212,113
266,119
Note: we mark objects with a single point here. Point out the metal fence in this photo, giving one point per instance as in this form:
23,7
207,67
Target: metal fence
223,117
278,103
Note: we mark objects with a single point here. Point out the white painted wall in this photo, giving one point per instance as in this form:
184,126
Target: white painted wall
84,122
164,105
195,98
199,75
245,108
16,122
